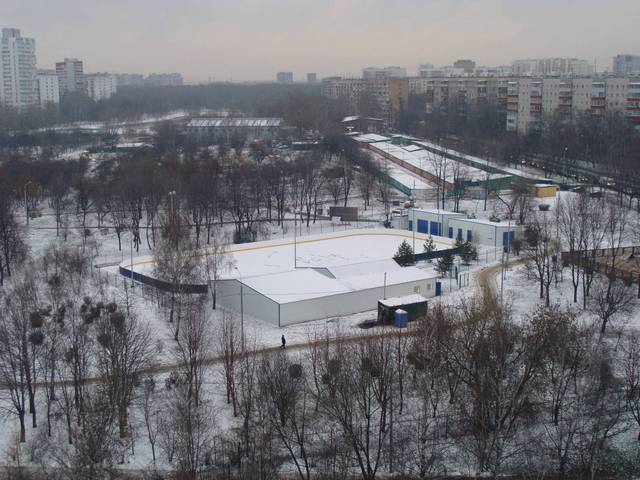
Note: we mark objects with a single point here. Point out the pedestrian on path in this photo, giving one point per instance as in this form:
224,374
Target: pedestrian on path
284,342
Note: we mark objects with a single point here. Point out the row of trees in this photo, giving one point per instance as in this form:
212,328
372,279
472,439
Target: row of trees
592,232
470,389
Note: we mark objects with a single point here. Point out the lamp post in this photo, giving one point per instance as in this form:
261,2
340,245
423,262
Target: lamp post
241,307
26,203
131,266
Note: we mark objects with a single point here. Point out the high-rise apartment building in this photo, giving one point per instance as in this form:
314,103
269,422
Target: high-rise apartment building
384,97
552,67
18,82
164,80
530,99
71,76
384,72
48,87
284,77
626,65
312,77
129,80
468,91
100,86
467,66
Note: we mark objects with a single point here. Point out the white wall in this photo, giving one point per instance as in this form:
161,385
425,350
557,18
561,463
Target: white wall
254,304
350,303
483,233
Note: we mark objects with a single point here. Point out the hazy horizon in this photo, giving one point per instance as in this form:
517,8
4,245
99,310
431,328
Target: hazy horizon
249,40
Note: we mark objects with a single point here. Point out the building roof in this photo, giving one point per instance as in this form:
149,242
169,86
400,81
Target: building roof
406,300
308,283
434,211
234,122
370,138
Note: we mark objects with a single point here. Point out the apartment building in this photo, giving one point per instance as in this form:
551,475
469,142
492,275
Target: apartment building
441,91
284,77
71,76
388,96
530,99
384,72
48,87
552,67
626,65
101,86
18,81
164,80
129,80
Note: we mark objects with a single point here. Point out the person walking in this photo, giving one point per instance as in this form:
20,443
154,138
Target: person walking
284,342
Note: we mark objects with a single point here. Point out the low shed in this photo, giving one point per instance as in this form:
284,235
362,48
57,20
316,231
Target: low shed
415,305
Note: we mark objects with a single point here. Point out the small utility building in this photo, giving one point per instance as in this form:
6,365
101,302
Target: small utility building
415,305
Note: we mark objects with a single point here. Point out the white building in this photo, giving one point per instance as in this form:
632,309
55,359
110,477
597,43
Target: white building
307,294
529,99
48,87
457,226
552,66
18,82
101,86
70,76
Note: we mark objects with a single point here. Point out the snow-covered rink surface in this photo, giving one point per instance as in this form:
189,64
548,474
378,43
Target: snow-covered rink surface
324,250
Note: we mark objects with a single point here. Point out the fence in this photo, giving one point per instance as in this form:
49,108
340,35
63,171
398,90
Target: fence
163,285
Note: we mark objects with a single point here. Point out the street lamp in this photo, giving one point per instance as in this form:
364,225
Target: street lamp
172,217
26,203
241,307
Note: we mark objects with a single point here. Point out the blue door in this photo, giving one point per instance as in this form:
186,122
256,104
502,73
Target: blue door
423,226
450,232
410,225
438,289
459,234
435,228
508,237
469,235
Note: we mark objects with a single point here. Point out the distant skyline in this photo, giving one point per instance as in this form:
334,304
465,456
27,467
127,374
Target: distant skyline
245,40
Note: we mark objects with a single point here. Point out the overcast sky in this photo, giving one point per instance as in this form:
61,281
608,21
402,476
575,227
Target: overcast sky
252,39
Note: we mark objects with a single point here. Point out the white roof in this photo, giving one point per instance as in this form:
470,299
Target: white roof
234,122
424,160
434,211
309,283
350,119
411,148
370,138
406,300
486,221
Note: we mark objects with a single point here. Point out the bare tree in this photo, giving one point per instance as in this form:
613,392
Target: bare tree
228,346
611,298
125,350
193,347
541,250
283,388
355,394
